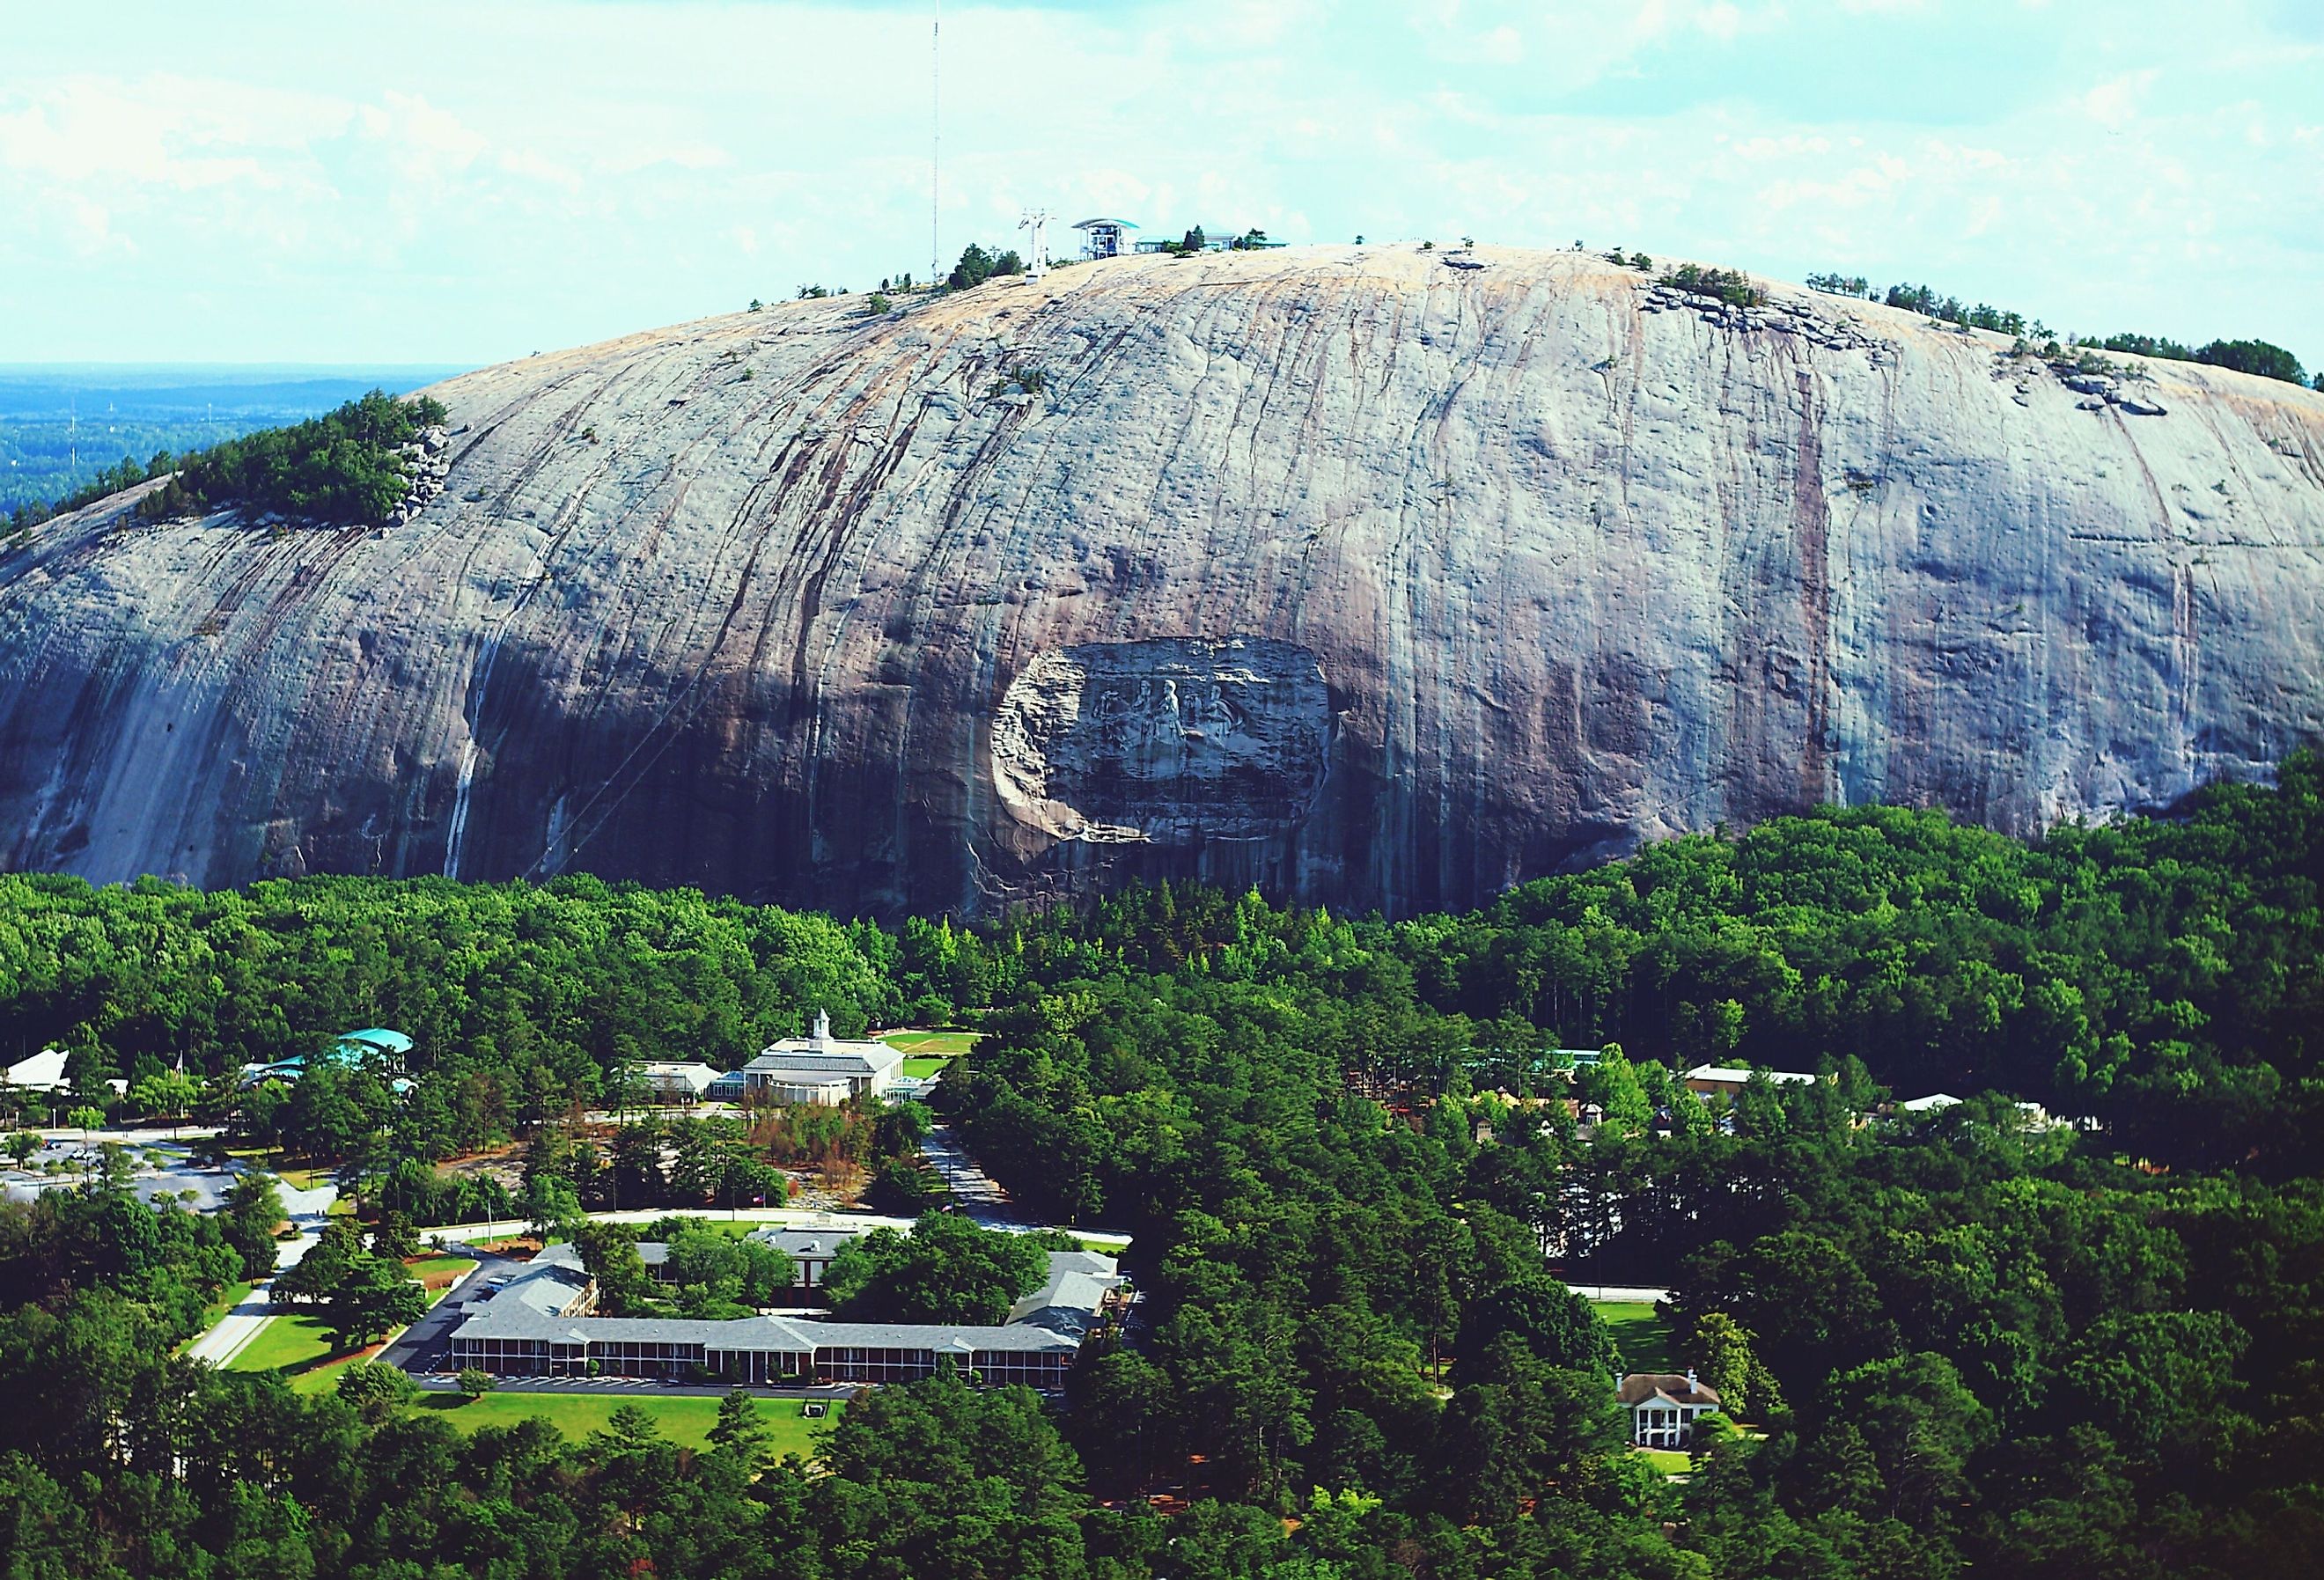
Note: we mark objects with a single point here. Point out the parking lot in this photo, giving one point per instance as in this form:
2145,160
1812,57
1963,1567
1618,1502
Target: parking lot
160,1167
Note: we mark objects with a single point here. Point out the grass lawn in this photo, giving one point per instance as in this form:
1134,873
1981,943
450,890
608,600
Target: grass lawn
284,1341
919,1067
943,1043
715,1220
1644,1339
303,1178
1669,1461
684,1418
322,1377
437,1272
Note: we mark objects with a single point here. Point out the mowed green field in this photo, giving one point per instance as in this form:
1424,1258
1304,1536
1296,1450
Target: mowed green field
432,1270
932,1044
685,1420
284,1342
1669,1461
1645,1339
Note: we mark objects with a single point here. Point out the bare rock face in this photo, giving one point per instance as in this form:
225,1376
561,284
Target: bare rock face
1370,579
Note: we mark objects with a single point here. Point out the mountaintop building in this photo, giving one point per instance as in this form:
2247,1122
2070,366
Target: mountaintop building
1104,238
1215,239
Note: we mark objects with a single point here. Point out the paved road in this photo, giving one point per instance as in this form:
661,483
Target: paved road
172,1176
133,1136
1624,1292
234,1330
420,1347
980,1195
307,1210
787,1217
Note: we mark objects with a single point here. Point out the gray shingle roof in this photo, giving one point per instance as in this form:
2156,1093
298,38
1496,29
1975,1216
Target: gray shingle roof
1053,1319
1674,1388
817,1243
1077,1283
917,1336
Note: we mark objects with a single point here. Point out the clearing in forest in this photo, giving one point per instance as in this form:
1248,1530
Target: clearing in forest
1645,1340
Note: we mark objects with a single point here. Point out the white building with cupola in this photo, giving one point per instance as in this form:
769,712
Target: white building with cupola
821,1068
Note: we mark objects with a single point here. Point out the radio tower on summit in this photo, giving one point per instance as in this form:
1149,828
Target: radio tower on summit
935,138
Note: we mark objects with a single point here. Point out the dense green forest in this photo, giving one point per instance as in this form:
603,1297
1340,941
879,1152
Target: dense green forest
1957,1340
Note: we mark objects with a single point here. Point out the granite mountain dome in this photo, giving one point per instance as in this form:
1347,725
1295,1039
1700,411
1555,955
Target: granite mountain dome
1370,579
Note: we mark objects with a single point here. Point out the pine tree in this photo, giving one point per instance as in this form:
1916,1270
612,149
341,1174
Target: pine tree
738,1430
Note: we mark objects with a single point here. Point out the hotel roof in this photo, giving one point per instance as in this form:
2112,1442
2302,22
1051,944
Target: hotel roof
806,1242
1052,1319
1739,1077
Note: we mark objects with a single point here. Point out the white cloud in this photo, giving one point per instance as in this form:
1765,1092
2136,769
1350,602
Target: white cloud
163,130
573,171
88,227
428,138
2115,102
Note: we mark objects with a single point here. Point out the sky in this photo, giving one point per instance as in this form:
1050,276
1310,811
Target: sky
462,183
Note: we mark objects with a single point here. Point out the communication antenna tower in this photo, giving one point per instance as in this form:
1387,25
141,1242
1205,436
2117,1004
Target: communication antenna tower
1036,253
935,138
